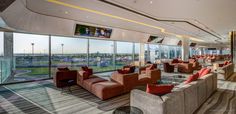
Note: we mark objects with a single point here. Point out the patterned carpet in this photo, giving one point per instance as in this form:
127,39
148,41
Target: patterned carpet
43,98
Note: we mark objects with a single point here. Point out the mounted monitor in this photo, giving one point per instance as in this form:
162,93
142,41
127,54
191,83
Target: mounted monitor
155,39
193,44
85,30
211,48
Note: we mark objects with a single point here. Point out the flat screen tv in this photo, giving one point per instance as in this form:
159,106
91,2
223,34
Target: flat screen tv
193,44
91,31
155,39
211,49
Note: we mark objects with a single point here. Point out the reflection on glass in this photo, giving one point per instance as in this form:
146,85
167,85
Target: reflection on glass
171,52
1,44
136,51
164,52
154,52
31,56
101,55
124,54
68,52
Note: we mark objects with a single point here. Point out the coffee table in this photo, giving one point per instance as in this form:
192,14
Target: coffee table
128,110
175,80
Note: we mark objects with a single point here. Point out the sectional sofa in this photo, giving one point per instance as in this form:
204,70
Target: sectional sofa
119,83
184,99
225,72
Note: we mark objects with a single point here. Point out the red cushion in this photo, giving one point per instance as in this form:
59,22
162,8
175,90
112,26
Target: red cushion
201,71
206,71
159,89
63,69
194,77
85,68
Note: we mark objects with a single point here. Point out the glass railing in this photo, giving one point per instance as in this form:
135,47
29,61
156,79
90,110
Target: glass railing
5,69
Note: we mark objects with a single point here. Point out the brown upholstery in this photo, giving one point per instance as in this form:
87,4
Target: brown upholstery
89,82
185,68
64,75
150,76
168,68
128,80
143,69
107,89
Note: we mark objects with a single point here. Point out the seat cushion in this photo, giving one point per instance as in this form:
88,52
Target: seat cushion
87,84
107,89
205,72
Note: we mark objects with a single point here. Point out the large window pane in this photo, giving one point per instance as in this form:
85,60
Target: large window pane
136,51
172,52
1,44
154,52
178,52
101,55
31,56
164,52
68,52
124,54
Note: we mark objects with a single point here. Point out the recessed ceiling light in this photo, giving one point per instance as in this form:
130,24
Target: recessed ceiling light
150,2
87,17
66,12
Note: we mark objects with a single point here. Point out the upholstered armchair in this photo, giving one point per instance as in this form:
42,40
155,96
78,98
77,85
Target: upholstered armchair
185,68
168,67
64,75
142,70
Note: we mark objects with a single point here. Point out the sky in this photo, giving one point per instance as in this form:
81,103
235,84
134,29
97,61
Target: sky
23,44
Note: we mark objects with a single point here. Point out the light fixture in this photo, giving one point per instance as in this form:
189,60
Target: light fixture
66,12
150,2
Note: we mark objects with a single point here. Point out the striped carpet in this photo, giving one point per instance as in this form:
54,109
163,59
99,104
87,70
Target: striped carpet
43,98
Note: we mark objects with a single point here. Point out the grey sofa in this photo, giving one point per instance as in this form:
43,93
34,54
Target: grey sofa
225,72
184,99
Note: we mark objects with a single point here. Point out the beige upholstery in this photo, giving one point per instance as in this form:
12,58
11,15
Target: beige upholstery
225,72
184,99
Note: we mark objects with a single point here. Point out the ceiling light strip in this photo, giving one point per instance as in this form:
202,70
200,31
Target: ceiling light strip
117,17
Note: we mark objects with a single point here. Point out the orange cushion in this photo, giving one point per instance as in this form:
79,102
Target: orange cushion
159,89
194,77
205,72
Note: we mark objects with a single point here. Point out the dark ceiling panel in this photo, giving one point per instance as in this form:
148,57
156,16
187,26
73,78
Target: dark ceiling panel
4,4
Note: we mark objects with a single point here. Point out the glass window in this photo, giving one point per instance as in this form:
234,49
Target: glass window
136,51
172,52
164,52
154,52
31,53
124,54
101,55
1,44
178,52
68,52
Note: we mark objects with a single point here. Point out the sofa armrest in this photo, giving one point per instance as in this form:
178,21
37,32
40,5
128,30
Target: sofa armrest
64,75
148,103
128,80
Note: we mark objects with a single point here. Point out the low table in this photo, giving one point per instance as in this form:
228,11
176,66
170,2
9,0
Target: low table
128,110
175,80
68,83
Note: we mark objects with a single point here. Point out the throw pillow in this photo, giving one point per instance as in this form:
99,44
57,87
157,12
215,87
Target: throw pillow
159,89
63,69
205,72
192,78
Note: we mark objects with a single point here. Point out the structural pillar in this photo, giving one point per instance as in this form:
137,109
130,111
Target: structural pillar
142,54
232,36
185,49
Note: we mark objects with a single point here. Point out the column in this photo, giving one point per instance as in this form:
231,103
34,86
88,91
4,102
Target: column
142,54
201,51
232,36
185,49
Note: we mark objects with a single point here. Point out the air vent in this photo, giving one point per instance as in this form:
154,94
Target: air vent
4,4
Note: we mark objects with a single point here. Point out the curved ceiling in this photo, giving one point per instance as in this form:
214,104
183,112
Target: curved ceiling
209,15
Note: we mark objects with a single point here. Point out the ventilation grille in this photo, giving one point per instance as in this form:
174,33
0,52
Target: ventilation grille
4,4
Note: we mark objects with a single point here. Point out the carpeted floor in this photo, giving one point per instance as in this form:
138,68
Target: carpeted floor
43,97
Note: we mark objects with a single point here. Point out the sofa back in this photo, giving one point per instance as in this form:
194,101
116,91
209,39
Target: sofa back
184,99
128,80
226,71
154,75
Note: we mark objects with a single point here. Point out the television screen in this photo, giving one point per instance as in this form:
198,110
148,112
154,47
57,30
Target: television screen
84,30
211,48
193,44
155,39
